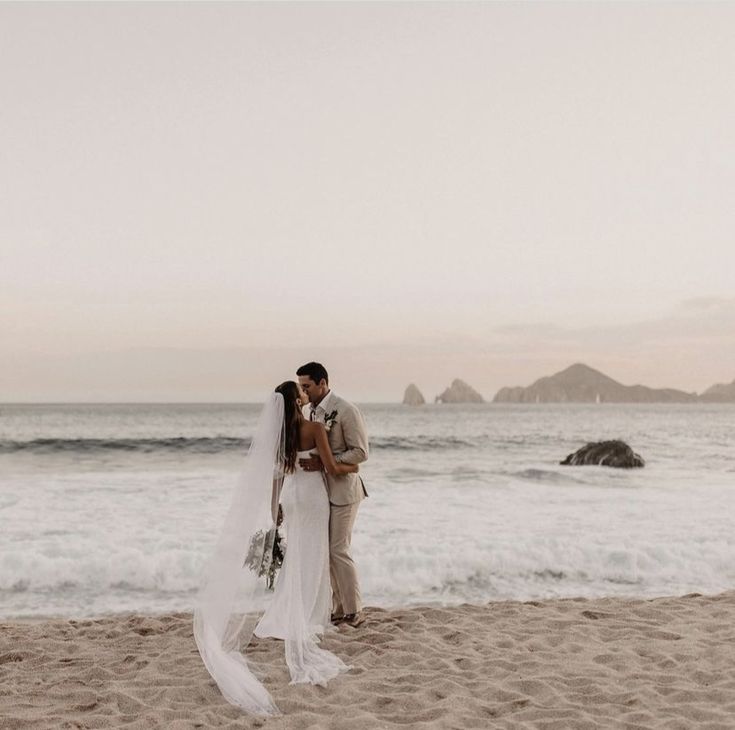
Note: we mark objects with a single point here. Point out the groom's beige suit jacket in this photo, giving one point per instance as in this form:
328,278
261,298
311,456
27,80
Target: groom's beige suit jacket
348,441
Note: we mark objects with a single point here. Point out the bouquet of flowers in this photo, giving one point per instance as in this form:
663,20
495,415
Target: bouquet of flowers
265,555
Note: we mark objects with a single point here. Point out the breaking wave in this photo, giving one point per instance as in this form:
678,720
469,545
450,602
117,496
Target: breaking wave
204,444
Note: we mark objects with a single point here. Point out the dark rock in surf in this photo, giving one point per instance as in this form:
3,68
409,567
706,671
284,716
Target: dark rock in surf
605,453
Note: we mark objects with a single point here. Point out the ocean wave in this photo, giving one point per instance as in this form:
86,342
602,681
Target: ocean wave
544,475
197,445
424,443
400,572
131,569
202,444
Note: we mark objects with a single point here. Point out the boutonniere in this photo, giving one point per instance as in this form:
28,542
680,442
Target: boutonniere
329,420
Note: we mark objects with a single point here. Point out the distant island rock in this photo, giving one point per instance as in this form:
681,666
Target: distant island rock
580,383
721,393
605,453
460,392
413,396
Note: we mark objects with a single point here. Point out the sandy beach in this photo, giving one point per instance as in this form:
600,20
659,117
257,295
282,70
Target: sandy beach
571,663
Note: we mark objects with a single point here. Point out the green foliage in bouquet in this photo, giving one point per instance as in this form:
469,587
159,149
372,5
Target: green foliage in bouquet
265,555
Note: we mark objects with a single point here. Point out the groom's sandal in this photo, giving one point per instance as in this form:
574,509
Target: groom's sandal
337,618
354,619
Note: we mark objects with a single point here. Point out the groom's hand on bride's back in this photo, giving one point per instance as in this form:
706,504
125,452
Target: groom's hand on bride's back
313,463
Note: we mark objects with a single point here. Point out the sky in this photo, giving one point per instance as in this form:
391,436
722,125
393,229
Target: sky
197,198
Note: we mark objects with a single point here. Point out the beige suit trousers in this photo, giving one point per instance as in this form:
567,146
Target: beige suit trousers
346,597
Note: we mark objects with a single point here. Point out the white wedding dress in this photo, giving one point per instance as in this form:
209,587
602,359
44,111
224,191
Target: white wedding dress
233,602
301,605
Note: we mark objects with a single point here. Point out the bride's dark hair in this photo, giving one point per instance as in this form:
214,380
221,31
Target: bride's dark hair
291,418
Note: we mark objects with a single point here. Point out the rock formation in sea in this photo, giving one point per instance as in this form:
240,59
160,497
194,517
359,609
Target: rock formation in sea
580,383
720,393
413,396
605,453
460,392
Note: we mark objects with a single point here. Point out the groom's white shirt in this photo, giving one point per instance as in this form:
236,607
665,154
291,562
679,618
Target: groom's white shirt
325,406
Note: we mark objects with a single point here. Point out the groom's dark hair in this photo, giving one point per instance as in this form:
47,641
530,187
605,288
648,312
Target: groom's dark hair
315,370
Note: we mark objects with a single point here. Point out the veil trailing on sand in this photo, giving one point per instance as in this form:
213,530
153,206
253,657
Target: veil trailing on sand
233,596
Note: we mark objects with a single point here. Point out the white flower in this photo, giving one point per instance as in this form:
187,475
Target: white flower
329,420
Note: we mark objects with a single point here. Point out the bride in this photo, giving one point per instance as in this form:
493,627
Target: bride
233,603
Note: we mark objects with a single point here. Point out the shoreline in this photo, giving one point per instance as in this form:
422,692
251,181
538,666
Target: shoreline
557,663
386,608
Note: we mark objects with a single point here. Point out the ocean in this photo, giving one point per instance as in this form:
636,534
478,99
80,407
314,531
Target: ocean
110,508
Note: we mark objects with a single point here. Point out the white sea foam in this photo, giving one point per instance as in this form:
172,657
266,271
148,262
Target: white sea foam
88,534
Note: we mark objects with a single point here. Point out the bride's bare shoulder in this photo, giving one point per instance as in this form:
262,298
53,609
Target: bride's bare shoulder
315,426
311,428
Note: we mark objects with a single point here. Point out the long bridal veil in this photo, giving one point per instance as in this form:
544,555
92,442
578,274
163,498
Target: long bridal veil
232,596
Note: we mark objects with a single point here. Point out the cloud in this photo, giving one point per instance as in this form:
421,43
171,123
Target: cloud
699,304
709,317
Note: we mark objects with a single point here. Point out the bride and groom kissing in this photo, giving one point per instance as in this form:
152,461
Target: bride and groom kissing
303,467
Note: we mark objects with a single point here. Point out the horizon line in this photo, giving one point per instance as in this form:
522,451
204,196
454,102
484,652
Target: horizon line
372,403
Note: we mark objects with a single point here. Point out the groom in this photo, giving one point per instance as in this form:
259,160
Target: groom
349,443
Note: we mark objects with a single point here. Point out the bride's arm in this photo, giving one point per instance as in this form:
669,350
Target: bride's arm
326,455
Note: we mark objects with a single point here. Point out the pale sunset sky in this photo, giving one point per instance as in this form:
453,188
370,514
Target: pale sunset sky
197,198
